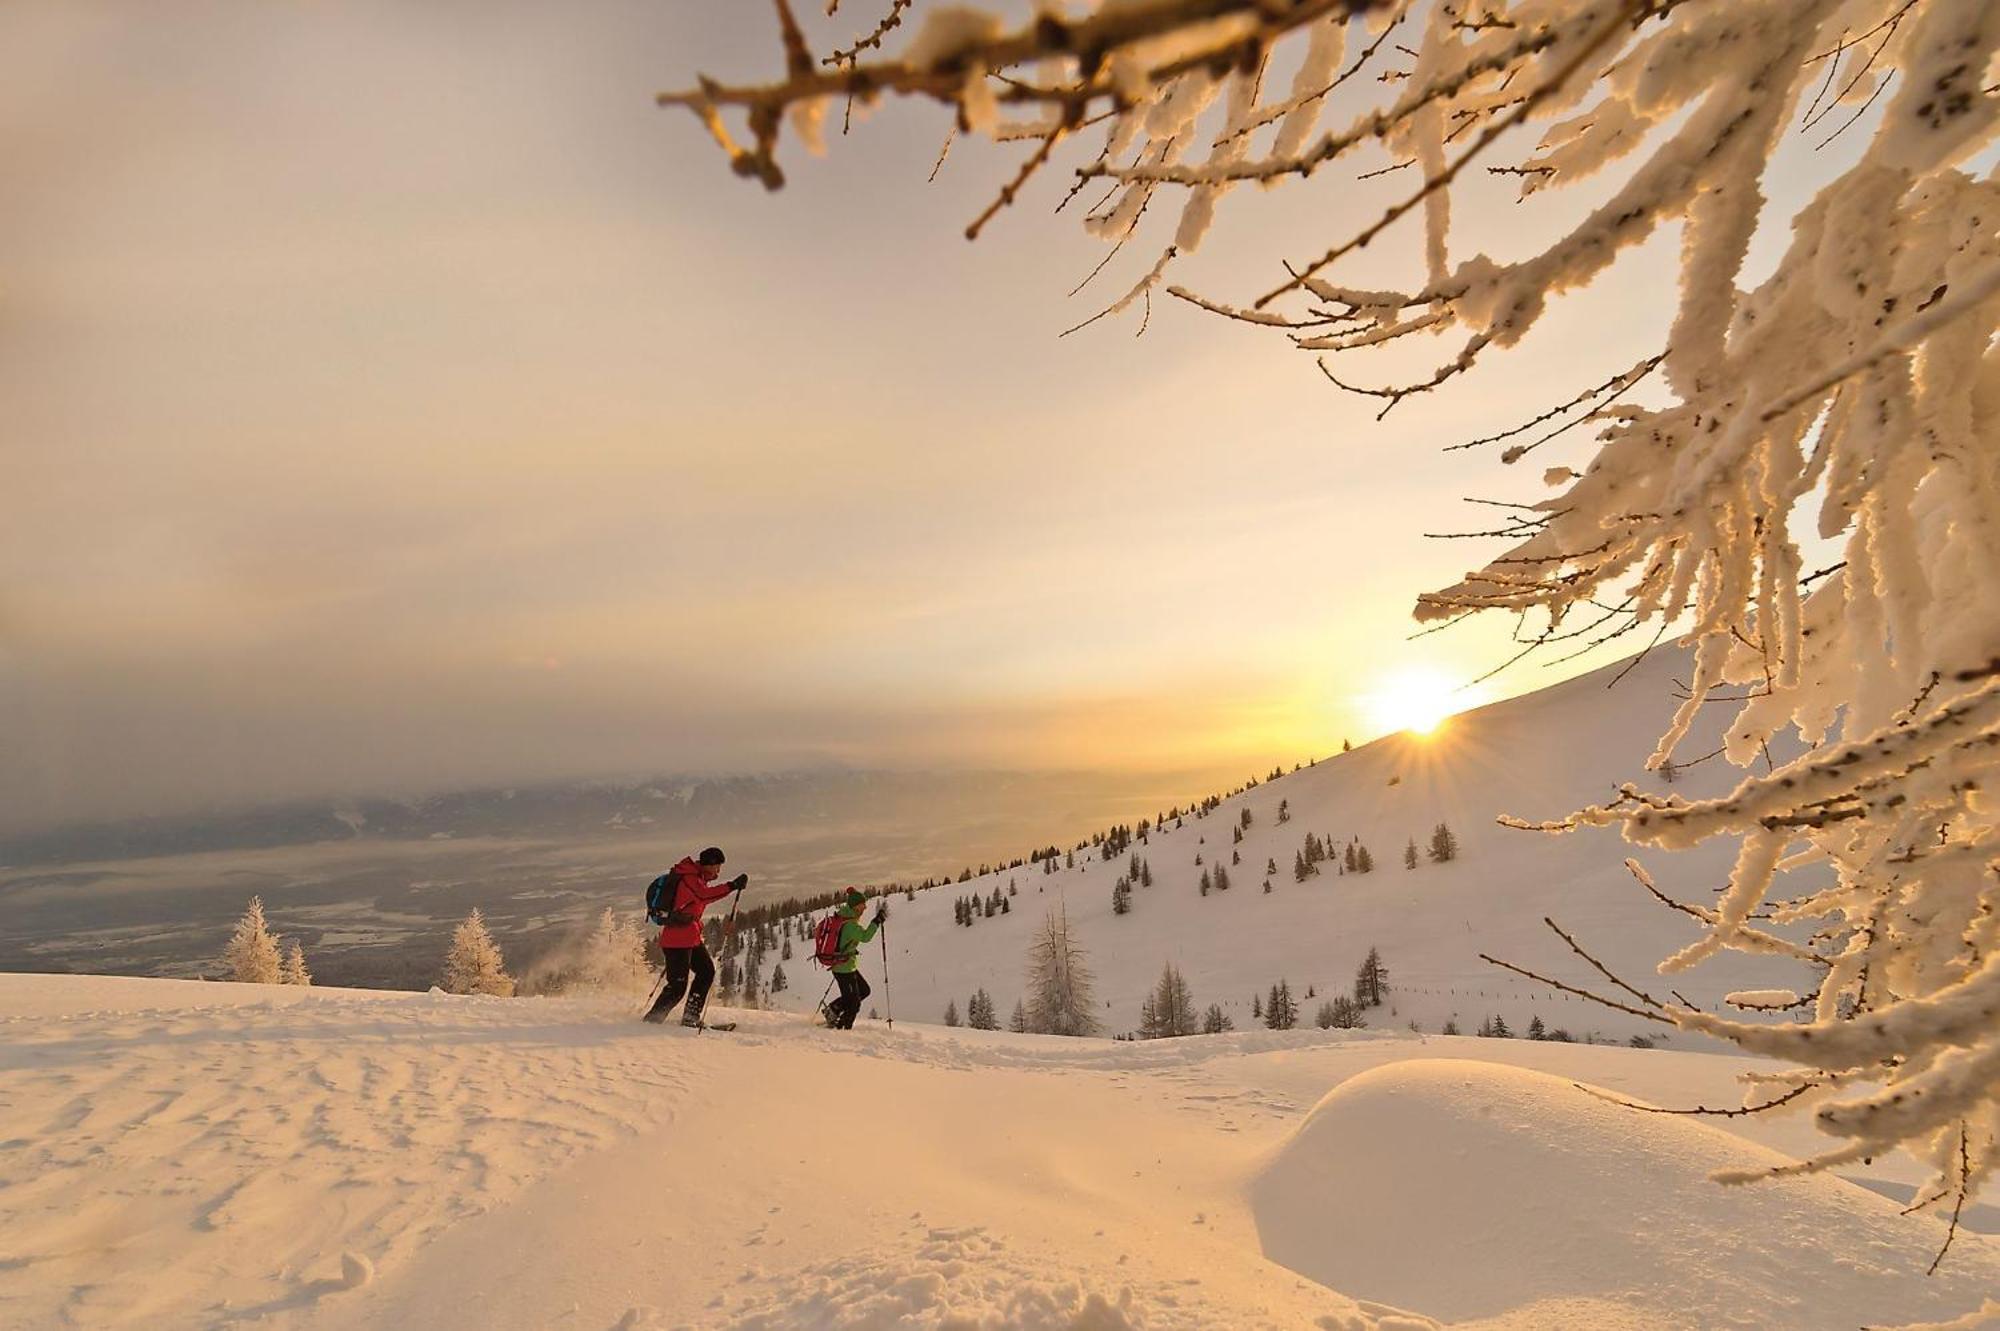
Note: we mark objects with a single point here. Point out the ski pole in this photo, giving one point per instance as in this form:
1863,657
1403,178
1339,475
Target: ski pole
728,934
887,1006
822,997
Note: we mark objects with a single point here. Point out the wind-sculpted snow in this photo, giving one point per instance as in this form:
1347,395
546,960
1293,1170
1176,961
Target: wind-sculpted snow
210,1156
1537,1192
969,1280
162,1167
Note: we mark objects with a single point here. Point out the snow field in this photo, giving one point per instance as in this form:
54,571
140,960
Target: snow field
333,1161
169,1161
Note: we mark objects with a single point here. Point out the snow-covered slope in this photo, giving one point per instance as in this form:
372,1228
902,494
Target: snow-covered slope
186,1155
1536,756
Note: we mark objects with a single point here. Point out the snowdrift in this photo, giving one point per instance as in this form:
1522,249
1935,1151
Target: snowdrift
1476,1191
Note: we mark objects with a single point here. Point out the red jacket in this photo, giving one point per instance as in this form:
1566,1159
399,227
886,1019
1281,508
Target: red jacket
690,895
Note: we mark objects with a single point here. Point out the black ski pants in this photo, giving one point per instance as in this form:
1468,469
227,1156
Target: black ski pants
854,992
680,962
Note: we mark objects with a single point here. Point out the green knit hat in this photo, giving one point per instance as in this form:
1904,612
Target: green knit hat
855,899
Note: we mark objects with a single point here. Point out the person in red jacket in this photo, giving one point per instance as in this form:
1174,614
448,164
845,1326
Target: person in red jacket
676,906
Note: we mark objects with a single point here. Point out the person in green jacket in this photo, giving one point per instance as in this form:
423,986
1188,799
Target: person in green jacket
842,1011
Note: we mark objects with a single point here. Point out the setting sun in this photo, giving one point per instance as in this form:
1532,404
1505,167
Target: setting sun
1415,700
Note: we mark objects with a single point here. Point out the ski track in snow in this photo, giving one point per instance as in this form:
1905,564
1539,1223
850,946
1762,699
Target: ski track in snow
284,1150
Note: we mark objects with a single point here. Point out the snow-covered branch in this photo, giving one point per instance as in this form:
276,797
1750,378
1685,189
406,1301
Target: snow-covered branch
1855,388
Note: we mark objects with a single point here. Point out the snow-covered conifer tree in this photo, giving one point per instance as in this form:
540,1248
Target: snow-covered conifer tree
294,969
951,1012
1444,844
473,965
1215,1021
614,956
252,953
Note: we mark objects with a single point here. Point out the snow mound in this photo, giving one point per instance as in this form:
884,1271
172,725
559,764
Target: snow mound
967,1280
1473,1190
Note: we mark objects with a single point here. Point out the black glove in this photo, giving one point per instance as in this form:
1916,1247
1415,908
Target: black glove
881,912
739,882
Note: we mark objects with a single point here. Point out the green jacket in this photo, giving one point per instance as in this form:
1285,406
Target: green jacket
852,935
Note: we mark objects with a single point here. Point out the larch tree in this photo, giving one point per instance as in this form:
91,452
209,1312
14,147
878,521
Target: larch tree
1849,389
252,953
474,965
1059,982
293,970
614,957
1168,1010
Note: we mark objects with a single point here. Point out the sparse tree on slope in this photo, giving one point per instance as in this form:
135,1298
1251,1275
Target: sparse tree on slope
1018,1023
1410,854
1341,1013
252,954
1444,845
1848,373
1059,985
1169,1009
473,965
1281,1013
951,1012
1215,1021
1370,979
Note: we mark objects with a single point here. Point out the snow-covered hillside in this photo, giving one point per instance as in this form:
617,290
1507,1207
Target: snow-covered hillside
1536,756
179,1154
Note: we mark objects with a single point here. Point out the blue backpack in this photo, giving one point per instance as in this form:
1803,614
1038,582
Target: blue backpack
660,895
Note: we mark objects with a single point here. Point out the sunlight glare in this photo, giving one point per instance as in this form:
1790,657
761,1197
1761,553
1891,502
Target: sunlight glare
1414,700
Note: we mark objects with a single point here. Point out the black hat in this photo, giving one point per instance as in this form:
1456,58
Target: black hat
713,855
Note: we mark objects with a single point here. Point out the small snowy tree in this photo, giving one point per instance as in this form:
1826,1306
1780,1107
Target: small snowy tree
1215,1021
1059,983
1018,1023
1410,854
252,953
294,969
951,1012
1444,844
473,965
980,1013
614,956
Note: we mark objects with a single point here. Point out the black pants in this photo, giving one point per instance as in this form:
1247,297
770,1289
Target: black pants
853,993
680,961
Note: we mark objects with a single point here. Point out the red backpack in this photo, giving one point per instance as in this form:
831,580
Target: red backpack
826,941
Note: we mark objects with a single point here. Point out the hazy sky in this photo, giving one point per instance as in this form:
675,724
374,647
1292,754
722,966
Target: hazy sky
397,398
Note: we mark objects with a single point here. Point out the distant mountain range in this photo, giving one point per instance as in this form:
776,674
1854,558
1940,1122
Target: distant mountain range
713,805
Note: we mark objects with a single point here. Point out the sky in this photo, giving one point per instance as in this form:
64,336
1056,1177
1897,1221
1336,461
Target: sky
399,399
